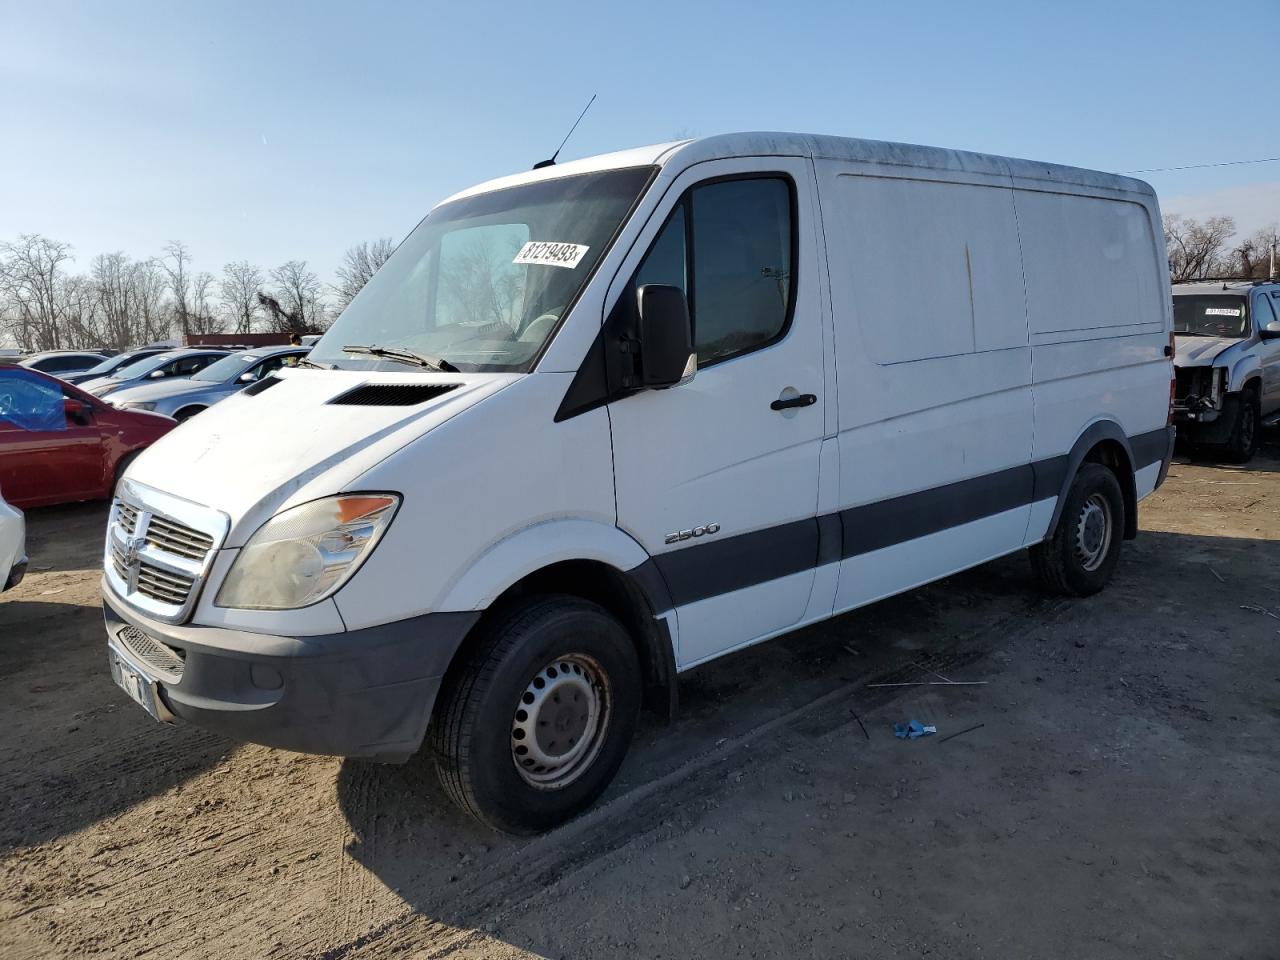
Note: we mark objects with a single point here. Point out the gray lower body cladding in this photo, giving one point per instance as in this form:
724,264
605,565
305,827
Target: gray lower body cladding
365,693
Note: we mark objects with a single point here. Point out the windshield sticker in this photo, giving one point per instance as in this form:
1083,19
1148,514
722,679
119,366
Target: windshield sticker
551,254
1222,311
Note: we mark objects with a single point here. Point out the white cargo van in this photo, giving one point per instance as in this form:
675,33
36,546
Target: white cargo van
598,423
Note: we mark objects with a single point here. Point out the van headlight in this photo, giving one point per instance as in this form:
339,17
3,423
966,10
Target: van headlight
305,554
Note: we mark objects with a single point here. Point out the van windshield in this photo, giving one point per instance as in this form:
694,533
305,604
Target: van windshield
482,282
1210,316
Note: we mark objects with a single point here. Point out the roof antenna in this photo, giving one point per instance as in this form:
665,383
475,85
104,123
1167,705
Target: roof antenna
551,162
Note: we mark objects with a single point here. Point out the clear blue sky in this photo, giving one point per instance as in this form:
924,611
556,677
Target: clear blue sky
276,130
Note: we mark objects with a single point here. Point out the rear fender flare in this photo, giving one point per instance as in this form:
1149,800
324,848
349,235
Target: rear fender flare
1057,475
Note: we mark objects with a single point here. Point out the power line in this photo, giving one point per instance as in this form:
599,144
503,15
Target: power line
1201,166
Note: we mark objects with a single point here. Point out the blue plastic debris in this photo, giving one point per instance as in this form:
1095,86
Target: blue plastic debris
912,730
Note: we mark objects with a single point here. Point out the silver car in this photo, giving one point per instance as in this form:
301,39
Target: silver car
175,364
183,399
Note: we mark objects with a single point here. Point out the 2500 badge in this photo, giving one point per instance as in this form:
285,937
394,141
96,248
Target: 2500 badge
703,531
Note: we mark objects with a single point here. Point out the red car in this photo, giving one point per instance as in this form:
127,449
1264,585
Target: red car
58,444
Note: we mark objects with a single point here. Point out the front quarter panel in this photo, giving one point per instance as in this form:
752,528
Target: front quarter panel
474,482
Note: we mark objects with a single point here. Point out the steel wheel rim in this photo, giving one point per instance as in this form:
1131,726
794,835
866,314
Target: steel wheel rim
560,721
1093,532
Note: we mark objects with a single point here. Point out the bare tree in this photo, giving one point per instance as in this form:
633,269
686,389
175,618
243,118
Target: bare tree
111,276
154,318
177,264
295,305
1197,249
78,304
31,269
204,319
360,263
239,288
1253,257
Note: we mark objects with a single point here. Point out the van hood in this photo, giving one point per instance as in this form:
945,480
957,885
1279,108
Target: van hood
1200,351
257,453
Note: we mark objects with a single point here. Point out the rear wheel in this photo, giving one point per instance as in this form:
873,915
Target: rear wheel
1080,557
1243,441
534,726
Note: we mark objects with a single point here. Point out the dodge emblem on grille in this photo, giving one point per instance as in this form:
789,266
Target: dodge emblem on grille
132,548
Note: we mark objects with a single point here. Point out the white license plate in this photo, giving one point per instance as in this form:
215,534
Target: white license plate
140,688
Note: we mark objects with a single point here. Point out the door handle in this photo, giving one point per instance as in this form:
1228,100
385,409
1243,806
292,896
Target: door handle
802,400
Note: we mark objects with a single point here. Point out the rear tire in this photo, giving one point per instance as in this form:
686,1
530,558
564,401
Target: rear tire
1080,556
1243,441
533,727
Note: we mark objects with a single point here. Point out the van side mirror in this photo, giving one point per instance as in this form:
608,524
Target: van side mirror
1271,331
666,336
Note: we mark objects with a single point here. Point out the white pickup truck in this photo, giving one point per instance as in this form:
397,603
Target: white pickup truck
1227,365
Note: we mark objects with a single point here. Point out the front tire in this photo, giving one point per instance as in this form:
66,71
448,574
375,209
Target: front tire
533,727
1079,558
1243,441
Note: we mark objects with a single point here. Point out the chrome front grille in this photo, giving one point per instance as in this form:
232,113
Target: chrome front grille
178,539
127,517
165,660
159,549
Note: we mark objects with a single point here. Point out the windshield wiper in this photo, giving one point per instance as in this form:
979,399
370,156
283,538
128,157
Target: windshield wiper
304,362
405,356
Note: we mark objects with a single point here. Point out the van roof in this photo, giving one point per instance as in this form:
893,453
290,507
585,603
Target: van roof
880,153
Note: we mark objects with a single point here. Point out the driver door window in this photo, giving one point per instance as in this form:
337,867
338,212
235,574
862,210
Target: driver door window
739,276
186,367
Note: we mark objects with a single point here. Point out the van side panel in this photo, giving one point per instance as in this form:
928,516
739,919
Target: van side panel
1099,315
934,373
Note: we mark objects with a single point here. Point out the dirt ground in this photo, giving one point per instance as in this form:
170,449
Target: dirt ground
1116,799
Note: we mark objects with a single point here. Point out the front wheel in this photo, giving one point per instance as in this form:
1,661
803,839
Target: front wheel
534,726
1080,557
1243,441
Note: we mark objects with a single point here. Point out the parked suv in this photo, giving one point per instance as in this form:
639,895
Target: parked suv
1227,363
183,399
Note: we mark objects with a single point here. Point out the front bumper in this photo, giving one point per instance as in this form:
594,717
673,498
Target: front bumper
16,573
363,693
1209,425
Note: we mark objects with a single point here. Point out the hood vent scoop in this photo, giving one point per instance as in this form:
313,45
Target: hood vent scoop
264,384
393,394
